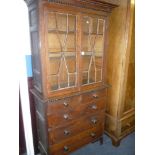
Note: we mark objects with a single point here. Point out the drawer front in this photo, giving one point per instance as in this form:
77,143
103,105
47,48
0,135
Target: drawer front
72,103
127,124
67,116
75,142
75,127
93,96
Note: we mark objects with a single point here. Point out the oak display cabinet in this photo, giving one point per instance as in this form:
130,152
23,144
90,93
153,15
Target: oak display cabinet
69,42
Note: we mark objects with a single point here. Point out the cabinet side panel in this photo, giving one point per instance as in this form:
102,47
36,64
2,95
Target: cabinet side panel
41,125
36,63
129,100
115,54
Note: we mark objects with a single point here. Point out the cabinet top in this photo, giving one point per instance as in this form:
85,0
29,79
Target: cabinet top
102,5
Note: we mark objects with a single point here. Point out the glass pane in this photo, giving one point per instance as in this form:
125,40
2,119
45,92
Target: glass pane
71,23
85,43
85,62
98,75
70,44
51,21
101,26
92,49
63,76
54,82
99,43
86,25
92,72
84,77
61,50
54,65
62,22
94,26
98,60
63,39
53,42
71,62
72,79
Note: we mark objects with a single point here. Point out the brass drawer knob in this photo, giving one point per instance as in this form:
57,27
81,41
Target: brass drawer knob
92,134
94,120
95,96
66,116
94,106
66,148
66,104
66,132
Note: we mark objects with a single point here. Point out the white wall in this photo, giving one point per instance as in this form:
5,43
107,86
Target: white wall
14,45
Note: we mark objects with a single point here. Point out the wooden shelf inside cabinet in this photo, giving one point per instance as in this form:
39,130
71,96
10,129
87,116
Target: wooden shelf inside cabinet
60,32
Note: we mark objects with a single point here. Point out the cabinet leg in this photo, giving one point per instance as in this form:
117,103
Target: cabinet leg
116,143
101,140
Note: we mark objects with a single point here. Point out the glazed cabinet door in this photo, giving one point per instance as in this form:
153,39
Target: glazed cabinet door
61,52
74,51
92,50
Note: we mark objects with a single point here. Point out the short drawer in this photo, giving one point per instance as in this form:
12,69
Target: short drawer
75,142
67,116
92,96
127,124
64,104
75,127
75,102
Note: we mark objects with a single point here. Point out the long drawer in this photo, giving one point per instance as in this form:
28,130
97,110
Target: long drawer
75,127
75,102
127,124
66,116
73,143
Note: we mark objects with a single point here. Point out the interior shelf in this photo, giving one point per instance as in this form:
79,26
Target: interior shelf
61,32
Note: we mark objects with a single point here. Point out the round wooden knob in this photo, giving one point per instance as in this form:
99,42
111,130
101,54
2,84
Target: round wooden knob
95,96
65,104
66,132
92,134
94,120
94,106
66,148
66,116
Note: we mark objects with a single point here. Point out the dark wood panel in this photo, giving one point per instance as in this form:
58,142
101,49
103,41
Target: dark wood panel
66,117
77,103
77,141
34,34
33,115
127,124
42,131
75,127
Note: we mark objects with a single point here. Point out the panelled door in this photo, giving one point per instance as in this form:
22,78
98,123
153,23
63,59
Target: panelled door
61,52
92,50
64,74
